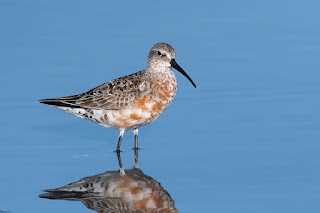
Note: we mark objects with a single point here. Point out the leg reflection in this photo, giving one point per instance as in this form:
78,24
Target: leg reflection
122,172
136,163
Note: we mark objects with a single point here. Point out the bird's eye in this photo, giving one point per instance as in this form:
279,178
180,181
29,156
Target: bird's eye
159,53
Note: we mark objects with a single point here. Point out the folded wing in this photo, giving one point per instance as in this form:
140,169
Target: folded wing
111,95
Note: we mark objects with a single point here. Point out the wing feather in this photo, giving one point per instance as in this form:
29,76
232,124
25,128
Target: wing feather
111,95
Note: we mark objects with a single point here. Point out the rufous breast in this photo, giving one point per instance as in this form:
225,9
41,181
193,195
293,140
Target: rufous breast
148,106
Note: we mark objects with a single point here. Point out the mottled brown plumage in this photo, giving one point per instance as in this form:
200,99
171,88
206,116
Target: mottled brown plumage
111,95
130,101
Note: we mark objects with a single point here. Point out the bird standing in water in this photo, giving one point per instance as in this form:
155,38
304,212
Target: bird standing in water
130,101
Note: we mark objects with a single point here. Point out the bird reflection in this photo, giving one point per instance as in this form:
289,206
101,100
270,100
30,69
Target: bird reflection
117,192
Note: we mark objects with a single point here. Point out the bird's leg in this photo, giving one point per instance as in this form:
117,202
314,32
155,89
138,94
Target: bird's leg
136,163
135,132
122,172
120,139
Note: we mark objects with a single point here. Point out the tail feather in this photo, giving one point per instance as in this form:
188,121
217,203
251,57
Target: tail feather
69,101
67,195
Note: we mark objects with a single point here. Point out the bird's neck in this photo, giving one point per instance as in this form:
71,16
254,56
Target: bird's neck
164,84
162,74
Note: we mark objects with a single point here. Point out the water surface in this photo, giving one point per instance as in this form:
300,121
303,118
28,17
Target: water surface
246,140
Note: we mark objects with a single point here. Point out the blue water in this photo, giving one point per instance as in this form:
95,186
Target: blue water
247,139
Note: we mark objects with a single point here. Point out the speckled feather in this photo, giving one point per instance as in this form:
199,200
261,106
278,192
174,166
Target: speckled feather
111,95
129,101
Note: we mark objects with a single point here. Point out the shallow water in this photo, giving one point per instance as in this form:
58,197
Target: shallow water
246,140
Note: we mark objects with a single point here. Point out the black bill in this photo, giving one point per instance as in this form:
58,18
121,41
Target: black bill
177,67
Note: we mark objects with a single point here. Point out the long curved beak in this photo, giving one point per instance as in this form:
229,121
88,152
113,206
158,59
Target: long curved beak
177,67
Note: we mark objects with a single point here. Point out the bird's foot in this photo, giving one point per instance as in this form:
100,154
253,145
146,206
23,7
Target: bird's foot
136,148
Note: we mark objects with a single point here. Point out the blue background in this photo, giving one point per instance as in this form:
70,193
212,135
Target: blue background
246,140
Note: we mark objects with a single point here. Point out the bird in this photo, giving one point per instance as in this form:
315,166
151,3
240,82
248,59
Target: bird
131,101
117,191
